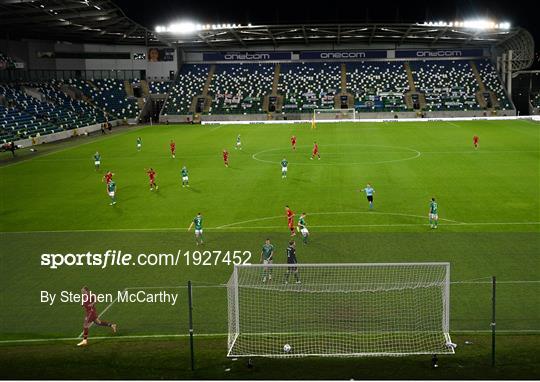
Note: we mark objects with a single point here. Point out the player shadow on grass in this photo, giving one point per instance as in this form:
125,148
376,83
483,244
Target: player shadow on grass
193,189
299,180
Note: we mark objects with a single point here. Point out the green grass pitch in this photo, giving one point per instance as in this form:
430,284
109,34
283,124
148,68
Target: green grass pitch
54,201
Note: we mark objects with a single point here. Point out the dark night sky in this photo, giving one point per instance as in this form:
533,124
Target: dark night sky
151,13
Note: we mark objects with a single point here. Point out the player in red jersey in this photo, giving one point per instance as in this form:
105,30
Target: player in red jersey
91,316
315,151
152,176
290,220
475,140
226,157
173,148
108,177
293,142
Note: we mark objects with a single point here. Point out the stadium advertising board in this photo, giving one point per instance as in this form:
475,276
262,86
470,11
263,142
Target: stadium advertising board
439,53
342,55
246,56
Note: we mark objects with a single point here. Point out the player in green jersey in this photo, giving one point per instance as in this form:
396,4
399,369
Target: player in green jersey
185,179
238,143
267,257
97,160
139,143
111,190
302,227
284,164
197,222
433,213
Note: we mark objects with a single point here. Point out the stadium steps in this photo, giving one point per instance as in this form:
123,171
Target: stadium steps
410,78
274,92
92,85
343,91
343,78
208,99
482,89
412,91
145,88
481,85
275,83
128,87
208,80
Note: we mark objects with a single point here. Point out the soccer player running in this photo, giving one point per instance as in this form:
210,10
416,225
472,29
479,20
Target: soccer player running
475,140
433,214
173,148
267,257
197,222
185,179
238,143
139,143
91,316
293,142
284,164
111,191
315,151
291,260
302,227
226,157
369,194
97,160
152,177
107,177
290,220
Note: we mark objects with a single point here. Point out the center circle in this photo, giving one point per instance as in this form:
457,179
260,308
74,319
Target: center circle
338,154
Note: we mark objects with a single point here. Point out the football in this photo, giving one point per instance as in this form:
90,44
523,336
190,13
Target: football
287,348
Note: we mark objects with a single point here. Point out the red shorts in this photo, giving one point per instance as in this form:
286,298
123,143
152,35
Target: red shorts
152,180
293,143
290,223
225,159
315,152
90,317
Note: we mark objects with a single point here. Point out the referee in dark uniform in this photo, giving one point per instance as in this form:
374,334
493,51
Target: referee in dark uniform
291,260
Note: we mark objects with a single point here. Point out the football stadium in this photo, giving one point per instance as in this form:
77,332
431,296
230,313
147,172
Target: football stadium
240,191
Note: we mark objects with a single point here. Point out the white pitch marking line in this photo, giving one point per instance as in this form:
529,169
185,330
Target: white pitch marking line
263,227
95,140
336,213
417,154
216,335
385,225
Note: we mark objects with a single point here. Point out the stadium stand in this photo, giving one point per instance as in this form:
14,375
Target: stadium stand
448,85
25,116
159,87
240,88
109,94
6,62
309,86
536,101
493,83
189,83
16,124
86,114
377,86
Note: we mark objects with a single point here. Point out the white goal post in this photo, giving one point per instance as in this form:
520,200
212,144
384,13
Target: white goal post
339,310
334,114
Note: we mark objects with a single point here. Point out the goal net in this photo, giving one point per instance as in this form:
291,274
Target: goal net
332,114
339,310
